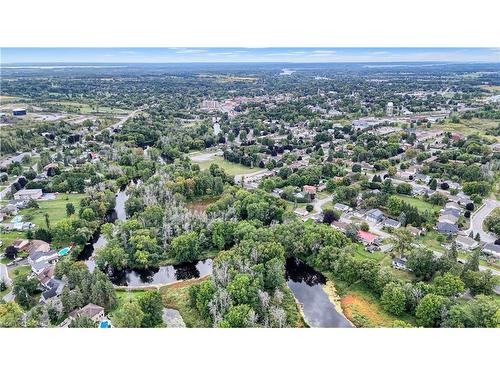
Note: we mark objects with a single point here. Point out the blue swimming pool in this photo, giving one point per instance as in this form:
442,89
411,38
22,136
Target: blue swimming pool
64,251
104,324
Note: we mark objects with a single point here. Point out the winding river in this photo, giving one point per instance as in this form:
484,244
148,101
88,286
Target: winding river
116,214
306,285
162,275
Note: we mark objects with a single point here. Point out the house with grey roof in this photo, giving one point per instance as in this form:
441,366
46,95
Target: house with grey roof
375,215
341,207
466,243
54,289
448,219
391,223
447,228
399,263
492,249
42,256
421,190
450,211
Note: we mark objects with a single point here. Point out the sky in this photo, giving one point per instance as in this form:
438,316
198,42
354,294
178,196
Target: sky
291,55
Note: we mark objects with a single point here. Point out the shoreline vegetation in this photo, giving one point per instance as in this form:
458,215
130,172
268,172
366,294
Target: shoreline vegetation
335,299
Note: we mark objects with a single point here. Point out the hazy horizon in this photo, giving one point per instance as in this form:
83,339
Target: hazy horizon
308,55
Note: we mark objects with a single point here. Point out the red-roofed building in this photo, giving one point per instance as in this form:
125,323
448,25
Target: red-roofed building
367,237
310,190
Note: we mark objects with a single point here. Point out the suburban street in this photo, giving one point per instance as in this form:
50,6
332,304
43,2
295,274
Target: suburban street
478,218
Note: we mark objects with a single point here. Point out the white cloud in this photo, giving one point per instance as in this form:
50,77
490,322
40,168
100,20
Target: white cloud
190,51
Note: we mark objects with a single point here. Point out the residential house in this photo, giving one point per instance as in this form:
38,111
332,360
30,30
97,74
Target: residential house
42,256
405,175
492,249
451,219
310,191
46,275
341,226
466,243
447,228
94,312
37,245
9,209
20,244
391,223
54,289
40,267
375,215
454,205
28,194
367,238
301,212
399,263
421,190
423,178
341,207
451,211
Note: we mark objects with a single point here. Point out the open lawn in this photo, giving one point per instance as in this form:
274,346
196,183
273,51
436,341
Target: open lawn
19,271
419,203
231,168
56,208
385,260
431,240
8,237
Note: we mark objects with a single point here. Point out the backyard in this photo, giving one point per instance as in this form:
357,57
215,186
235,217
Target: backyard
55,208
420,204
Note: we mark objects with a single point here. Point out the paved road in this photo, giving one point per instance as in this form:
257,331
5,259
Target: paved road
478,218
4,274
122,121
320,202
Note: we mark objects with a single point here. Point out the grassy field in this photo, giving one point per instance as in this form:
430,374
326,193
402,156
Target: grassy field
176,296
56,209
231,168
468,127
420,204
83,108
489,88
363,309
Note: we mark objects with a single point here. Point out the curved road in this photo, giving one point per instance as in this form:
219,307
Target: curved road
477,220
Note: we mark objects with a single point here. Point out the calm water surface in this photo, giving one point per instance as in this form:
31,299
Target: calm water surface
306,285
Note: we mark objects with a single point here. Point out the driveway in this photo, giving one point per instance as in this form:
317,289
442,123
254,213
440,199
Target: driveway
478,218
